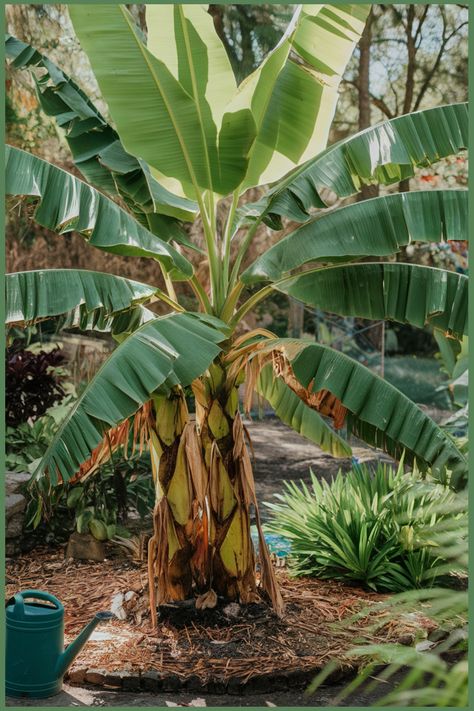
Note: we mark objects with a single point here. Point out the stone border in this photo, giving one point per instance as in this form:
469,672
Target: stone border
154,681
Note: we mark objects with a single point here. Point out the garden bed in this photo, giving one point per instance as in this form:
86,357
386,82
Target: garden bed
232,649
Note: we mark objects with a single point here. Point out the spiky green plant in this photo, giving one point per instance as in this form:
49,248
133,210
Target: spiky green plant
434,672
362,527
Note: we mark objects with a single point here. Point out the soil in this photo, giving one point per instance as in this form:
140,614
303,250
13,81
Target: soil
325,696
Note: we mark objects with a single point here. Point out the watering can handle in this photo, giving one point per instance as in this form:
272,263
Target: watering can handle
38,594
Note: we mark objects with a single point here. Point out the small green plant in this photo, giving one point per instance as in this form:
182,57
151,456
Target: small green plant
27,443
363,527
100,504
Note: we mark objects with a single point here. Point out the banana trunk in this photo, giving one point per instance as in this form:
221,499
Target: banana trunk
231,491
170,549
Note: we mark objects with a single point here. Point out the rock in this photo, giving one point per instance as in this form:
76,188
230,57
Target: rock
95,676
112,680
14,503
15,482
193,683
131,681
12,547
152,680
232,609
117,607
14,525
171,682
77,675
83,546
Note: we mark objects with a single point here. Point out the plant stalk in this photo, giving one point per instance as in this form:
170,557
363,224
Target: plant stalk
243,250
201,295
250,304
228,239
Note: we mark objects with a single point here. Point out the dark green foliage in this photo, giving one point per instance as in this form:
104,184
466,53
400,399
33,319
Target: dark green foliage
100,505
364,527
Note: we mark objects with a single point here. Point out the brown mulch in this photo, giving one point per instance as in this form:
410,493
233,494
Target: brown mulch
231,642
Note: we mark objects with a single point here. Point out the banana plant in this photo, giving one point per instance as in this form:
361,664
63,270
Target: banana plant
186,140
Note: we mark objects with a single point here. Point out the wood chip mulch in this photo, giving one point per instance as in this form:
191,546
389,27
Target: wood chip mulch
239,643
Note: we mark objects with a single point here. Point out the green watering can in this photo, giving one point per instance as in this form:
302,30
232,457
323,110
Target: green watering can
36,660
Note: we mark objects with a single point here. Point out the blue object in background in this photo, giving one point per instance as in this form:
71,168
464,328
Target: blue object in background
278,545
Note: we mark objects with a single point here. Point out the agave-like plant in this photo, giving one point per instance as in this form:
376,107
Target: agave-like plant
186,137
433,673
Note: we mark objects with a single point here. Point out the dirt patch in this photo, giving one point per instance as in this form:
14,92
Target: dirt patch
283,455
233,649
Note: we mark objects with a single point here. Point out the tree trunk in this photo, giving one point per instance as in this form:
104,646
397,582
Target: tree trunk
232,556
404,185
363,85
204,490
295,318
170,549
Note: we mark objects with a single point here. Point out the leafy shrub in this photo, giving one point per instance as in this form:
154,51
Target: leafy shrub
101,503
363,527
32,383
27,443
98,505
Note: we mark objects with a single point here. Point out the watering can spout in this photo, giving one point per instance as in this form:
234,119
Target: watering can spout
72,650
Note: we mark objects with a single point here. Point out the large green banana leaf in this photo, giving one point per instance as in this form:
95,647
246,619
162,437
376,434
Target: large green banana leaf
407,293
385,154
87,300
158,120
296,414
93,142
165,352
184,38
140,190
119,325
293,93
379,413
376,227
60,97
195,55
67,204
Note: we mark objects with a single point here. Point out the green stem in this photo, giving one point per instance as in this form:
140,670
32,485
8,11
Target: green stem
211,249
160,295
243,250
165,273
231,301
169,286
201,295
228,239
250,304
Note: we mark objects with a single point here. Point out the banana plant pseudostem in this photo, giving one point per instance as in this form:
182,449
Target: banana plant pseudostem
186,139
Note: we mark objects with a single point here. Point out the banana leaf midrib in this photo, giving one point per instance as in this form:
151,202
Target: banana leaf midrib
166,102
